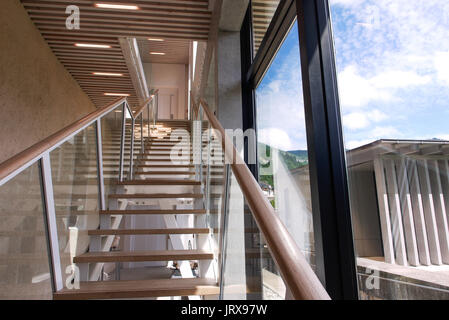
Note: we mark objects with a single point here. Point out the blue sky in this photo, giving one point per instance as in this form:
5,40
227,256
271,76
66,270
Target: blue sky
393,75
280,110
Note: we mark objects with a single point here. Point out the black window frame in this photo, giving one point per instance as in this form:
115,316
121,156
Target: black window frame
334,245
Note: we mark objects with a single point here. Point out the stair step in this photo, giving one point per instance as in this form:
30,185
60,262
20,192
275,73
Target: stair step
156,211
147,173
170,139
158,149
109,232
167,154
141,256
155,195
150,182
168,143
165,160
166,165
158,142
126,289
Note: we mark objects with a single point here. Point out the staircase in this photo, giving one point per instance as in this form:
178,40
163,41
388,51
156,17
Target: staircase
169,194
95,211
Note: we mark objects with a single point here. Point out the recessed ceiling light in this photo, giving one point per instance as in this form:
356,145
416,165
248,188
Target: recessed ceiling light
158,53
92,45
117,94
156,39
108,74
116,6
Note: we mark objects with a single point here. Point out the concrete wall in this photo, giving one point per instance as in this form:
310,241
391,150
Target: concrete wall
38,96
383,281
365,212
169,76
229,80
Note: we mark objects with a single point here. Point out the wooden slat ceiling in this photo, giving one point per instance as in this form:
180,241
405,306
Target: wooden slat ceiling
176,51
263,11
168,19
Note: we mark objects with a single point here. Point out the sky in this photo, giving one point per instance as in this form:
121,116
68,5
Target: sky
280,108
392,70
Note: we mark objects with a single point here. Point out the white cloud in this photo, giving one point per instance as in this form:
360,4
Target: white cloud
358,91
356,120
441,61
276,138
352,144
280,107
399,79
345,2
379,132
275,86
361,120
392,60
386,132
377,116
392,57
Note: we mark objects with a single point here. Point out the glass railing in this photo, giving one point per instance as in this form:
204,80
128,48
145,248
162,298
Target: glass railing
248,269
111,126
51,195
76,193
24,264
57,188
256,256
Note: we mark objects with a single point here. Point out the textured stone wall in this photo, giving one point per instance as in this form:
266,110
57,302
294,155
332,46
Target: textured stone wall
38,96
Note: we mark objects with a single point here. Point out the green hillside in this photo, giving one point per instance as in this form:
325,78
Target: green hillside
292,159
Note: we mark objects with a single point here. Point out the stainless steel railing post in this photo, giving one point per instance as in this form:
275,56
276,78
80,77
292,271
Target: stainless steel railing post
100,175
224,230
122,142
131,153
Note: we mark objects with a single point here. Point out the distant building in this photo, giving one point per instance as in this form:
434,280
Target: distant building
400,201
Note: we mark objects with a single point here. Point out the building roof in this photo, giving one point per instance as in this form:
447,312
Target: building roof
404,147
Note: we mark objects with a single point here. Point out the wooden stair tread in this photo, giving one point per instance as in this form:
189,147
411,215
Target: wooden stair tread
140,256
149,182
100,232
156,211
160,153
140,289
155,195
165,165
166,159
168,143
151,148
148,173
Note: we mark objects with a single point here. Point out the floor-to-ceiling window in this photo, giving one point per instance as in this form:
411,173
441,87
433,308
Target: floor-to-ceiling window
393,76
282,146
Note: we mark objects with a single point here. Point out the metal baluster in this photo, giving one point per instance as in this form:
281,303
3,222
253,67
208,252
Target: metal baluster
141,134
224,229
156,110
51,227
100,166
131,157
149,125
122,143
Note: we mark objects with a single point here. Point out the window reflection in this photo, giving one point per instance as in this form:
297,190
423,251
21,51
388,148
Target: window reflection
282,148
262,14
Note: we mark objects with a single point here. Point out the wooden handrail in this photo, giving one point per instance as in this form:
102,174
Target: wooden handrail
34,152
141,108
296,272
